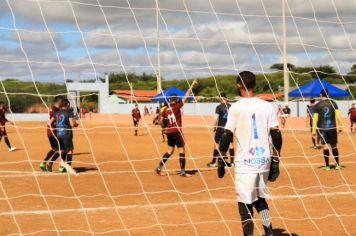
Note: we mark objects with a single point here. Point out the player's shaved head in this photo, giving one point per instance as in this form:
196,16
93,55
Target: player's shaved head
246,80
173,98
65,103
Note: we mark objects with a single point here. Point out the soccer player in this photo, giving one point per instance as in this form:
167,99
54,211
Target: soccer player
173,114
220,119
310,114
327,122
352,115
253,121
284,114
65,121
136,116
3,121
51,134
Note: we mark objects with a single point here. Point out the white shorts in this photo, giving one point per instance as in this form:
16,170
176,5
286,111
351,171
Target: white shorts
284,115
250,186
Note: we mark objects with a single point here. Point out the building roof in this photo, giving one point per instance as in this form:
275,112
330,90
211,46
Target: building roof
269,96
136,95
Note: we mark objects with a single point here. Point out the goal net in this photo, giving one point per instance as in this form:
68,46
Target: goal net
105,56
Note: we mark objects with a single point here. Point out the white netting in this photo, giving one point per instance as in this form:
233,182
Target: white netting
116,190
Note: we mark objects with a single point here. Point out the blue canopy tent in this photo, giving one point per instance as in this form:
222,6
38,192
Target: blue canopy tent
313,88
166,94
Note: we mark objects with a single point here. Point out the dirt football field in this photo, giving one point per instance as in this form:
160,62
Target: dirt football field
116,191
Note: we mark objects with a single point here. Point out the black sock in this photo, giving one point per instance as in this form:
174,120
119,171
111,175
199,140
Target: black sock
232,155
7,142
335,152
215,155
63,156
164,159
69,158
182,161
246,213
49,155
263,212
326,156
54,158
313,140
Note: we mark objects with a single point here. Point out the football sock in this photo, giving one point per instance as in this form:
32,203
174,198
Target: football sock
7,142
164,159
232,155
263,212
69,158
335,152
49,155
326,156
246,214
182,161
215,155
313,140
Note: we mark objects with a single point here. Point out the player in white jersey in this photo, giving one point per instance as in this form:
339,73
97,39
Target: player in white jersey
253,121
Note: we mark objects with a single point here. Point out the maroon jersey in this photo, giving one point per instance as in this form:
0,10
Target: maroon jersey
352,113
173,115
136,115
3,119
51,129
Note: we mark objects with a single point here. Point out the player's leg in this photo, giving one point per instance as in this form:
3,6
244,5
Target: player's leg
333,148
215,156
54,149
167,155
68,155
325,147
6,139
246,190
263,211
232,154
217,138
246,214
181,147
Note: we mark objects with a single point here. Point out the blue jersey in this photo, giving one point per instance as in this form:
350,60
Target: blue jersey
63,126
222,110
327,115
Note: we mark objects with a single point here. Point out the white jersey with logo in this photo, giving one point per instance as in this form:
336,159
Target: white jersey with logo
251,119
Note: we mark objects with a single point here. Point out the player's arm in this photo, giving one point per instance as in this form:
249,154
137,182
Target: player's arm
338,120
73,122
276,138
189,91
315,122
215,122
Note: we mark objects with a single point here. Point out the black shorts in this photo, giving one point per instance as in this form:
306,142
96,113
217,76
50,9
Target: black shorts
175,139
218,135
53,142
135,123
66,143
328,136
352,121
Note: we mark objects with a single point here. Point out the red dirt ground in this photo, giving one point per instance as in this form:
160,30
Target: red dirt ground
117,192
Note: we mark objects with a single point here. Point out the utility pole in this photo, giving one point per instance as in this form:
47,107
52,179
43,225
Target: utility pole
159,80
285,65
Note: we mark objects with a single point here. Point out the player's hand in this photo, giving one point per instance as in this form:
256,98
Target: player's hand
340,130
195,82
221,166
214,129
314,135
274,169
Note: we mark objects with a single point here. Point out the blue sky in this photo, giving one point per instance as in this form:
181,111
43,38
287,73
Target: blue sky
200,40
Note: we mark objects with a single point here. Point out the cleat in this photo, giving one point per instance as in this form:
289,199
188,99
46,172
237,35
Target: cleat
338,167
232,164
315,147
62,169
211,164
327,168
158,170
184,174
12,149
43,166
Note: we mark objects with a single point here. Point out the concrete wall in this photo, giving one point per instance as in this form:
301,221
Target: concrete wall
298,109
